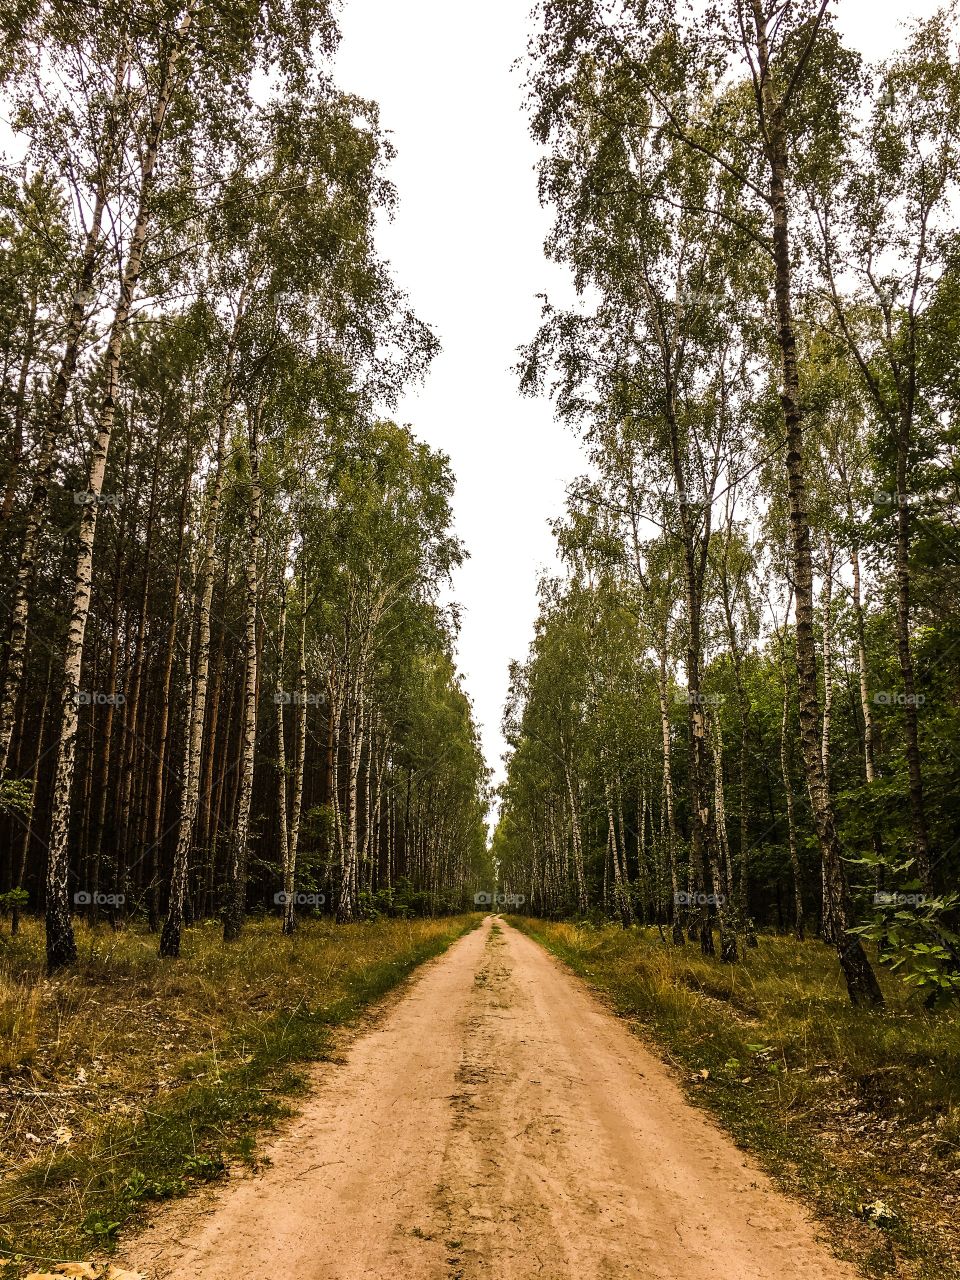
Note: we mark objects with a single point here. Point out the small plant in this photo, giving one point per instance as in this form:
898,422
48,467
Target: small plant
138,1188
16,796
11,903
914,936
205,1168
103,1230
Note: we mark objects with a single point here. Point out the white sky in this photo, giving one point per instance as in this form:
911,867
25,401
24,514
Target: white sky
466,244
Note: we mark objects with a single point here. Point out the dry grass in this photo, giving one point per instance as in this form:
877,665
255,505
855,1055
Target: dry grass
108,1072
847,1105
19,1023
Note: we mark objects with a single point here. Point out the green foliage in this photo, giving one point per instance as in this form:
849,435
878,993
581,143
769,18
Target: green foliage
16,796
915,933
11,898
657,714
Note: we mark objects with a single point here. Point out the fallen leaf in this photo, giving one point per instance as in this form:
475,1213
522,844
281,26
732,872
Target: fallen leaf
86,1271
877,1212
77,1270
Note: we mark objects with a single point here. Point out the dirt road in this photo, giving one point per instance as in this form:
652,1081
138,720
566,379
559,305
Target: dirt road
496,1122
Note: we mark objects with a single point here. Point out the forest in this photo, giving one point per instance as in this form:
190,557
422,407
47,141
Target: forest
670,989
229,679
739,710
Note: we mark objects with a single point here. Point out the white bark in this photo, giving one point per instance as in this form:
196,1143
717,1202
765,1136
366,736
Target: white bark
61,948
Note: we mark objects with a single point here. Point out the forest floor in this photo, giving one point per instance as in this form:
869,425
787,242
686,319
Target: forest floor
856,1112
494,1120
133,1079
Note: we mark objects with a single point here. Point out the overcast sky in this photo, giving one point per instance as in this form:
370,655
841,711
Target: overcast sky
466,243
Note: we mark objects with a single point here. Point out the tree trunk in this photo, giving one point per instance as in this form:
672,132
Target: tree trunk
239,845
197,703
861,981
346,908
156,800
577,840
918,811
621,898
743,707
284,833
52,427
869,752
61,946
677,916
798,920
827,610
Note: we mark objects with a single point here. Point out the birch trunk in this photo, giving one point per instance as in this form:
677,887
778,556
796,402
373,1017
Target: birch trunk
861,981
862,671
52,427
237,879
346,907
742,895
296,804
577,840
677,916
61,945
278,697
196,704
155,803
918,810
719,856
798,921
621,900
827,661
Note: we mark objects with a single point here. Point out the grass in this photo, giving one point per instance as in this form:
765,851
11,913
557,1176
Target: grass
846,1107
131,1079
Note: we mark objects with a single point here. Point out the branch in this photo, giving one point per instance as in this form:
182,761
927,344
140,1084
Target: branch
798,69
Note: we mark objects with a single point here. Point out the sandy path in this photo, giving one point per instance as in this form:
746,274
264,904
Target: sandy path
496,1122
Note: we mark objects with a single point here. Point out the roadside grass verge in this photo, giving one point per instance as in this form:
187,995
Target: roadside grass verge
132,1078
846,1107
